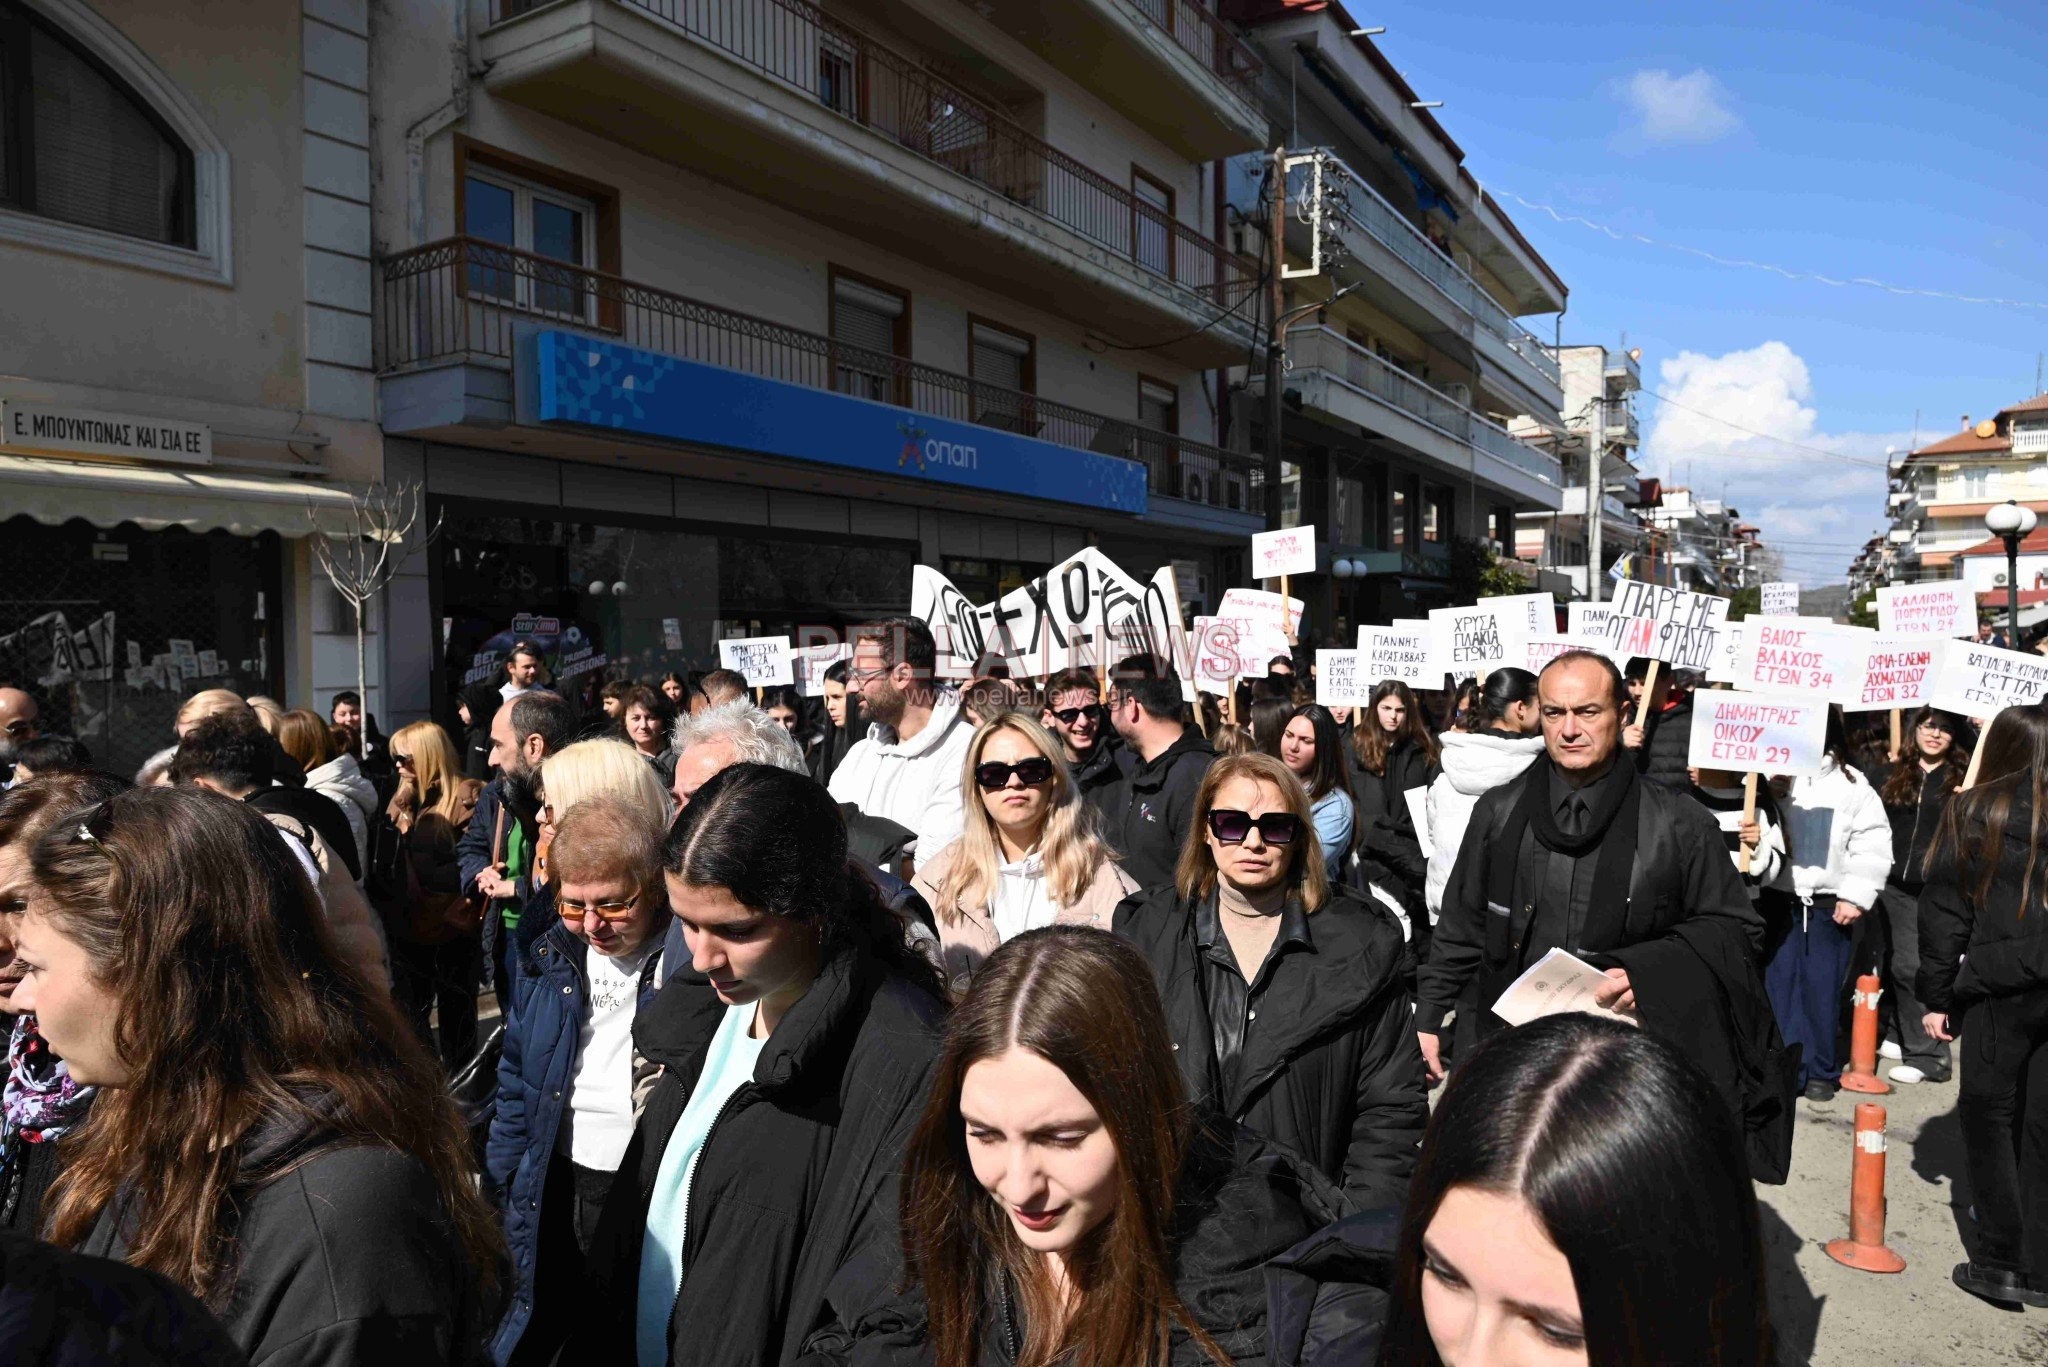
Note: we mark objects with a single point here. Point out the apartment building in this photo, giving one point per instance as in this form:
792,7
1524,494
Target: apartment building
713,318
185,237
1399,394
1939,493
1701,544
1598,422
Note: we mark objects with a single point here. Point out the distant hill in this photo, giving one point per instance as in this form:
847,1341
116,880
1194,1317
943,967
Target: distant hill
1829,600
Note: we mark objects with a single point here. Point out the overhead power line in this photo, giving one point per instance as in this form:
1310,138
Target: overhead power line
1853,282
1875,464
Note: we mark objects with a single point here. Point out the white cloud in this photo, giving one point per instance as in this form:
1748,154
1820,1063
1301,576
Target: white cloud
1765,451
1677,109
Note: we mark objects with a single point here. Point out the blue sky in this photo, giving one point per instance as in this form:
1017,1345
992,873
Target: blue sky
1900,142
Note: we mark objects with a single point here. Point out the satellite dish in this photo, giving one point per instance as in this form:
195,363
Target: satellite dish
1987,428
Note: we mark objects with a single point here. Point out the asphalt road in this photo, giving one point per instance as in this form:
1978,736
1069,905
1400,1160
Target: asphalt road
1832,1316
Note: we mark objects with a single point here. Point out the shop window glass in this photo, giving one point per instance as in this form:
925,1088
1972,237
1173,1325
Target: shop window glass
540,222
79,146
1397,521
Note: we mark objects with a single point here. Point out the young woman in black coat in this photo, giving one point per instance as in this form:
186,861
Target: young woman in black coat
795,1049
1984,979
1915,791
1394,752
1283,992
1063,1203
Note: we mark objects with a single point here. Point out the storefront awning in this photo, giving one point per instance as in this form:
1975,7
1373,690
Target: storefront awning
55,491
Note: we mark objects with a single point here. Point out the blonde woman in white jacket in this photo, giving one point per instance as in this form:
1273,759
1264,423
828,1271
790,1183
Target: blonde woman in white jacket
1840,841
1503,736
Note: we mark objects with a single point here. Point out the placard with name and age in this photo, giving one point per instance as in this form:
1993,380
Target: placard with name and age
763,660
1290,550
1758,733
1982,681
1778,599
1398,651
1339,681
1898,672
1802,656
1945,607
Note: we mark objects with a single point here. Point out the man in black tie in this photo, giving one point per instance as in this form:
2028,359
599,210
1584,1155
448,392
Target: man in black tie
1580,853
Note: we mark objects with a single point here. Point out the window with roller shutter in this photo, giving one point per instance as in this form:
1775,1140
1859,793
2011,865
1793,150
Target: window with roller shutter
870,321
1001,364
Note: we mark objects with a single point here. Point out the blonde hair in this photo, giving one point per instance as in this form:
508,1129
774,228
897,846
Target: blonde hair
1196,874
435,767
1068,845
602,768
268,710
209,702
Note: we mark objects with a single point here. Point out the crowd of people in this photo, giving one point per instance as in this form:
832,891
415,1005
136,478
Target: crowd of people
979,1022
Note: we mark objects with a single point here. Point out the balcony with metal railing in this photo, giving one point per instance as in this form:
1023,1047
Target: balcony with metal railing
462,301
1448,291
1338,377
804,109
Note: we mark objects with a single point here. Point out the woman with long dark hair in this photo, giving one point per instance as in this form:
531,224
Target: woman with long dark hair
269,1133
795,1051
1984,978
1283,991
1063,1202
1916,789
42,1101
1582,1197
1393,752
1501,737
1312,748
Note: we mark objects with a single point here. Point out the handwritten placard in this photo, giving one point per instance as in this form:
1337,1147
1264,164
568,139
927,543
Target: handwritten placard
1802,655
809,664
1472,640
1757,733
1291,550
1688,626
1539,651
1587,619
1401,652
1898,672
1982,681
1338,680
1261,626
764,660
1727,664
1947,607
1778,599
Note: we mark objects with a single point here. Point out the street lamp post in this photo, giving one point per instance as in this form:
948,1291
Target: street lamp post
2010,523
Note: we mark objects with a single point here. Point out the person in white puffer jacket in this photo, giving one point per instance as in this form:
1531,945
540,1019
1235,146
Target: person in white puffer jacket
1505,736
1840,841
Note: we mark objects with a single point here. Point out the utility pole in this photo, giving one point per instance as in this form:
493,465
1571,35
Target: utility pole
1596,485
1276,302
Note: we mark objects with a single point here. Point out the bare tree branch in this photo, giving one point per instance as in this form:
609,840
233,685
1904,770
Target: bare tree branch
359,562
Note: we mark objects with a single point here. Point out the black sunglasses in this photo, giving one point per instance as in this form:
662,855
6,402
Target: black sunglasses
1067,716
994,775
1275,828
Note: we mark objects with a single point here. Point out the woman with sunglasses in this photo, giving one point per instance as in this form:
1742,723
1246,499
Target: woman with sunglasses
1028,854
415,880
269,1134
569,1076
1064,1203
1282,991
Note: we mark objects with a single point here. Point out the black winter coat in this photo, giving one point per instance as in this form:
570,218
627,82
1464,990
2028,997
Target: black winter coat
65,1310
1667,746
1972,948
1146,817
1386,829
1915,822
1106,766
1331,1068
797,1179
1243,1203
346,1259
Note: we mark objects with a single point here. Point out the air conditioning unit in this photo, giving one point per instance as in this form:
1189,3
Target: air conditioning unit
1998,580
1233,490
1194,492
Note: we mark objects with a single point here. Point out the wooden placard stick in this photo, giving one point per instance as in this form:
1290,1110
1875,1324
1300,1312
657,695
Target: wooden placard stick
1649,690
1895,736
1286,612
1976,757
1748,812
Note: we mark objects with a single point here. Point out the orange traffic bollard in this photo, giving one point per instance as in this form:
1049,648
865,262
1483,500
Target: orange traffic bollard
1862,1075
1864,1249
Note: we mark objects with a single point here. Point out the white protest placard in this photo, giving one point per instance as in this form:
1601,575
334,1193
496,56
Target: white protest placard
1400,651
1688,624
1761,733
1468,641
1339,682
1417,799
809,664
1728,655
1587,619
1257,619
1982,681
1529,614
1947,607
1291,550
764,660
1899,671
1802,655
958,627
1778,599
1214,646
1538,651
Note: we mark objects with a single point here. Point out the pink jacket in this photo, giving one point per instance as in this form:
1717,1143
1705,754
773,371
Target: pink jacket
967,935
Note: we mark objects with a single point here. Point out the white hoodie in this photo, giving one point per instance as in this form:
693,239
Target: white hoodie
341,781
1841,838
1473,763
914,783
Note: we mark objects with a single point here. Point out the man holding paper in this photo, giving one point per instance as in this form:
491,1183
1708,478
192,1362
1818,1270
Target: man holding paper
1582,854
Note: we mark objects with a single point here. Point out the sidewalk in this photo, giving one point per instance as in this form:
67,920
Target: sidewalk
1831,1316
